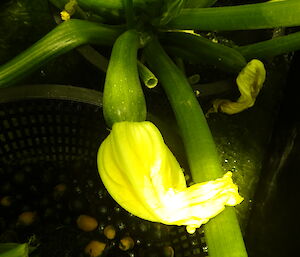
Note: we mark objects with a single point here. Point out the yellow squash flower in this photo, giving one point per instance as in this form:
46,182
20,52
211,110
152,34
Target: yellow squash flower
143,176
250,81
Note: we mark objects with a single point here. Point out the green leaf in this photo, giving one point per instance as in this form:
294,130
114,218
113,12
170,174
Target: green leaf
13,250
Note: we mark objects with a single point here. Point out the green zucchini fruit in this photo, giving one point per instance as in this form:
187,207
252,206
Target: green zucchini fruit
123,98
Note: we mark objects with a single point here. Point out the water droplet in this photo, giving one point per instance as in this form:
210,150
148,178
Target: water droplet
226,160
117,209
205,249
194,242
43,73
197,93
78,190
103,209
90,183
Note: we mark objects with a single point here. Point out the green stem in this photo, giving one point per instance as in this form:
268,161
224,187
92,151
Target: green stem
147,76
61,39
207,52
272,47
128,6
222,233
243,17
97,5
199,3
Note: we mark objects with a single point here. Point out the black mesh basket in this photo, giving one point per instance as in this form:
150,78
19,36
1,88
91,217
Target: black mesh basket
49,135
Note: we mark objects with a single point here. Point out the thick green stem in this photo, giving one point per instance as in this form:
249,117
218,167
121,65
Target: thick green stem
61,39
243,17
222,233
272,47
207,52
199,3
128,6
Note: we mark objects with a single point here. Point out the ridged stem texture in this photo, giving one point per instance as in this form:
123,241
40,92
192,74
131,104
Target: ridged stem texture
241,17
61,39
222,233
271,47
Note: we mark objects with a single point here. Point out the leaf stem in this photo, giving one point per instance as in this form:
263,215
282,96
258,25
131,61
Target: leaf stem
271,47
222,233
242,17
60,40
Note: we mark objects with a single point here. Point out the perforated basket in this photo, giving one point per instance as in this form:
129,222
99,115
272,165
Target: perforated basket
50,134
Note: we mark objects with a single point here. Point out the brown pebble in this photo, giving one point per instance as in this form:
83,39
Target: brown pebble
110,232
87,223
27,218
94,248
126,243
59,190
5,201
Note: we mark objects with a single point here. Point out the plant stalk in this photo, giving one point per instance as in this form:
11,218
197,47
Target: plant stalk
222,233
271,47
242,17
60,40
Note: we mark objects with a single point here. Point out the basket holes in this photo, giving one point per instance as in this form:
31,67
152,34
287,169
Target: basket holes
185,245
44,139
57,118
22,143
67,149
58,129
18,133
32,119
196,251
41,118
24,121
2,138
15,146
29,141
43,130
14,122
10,135
21,109
66,130
6,148
49,118
27,132
59,140
6,124
35,130
37,141
51,129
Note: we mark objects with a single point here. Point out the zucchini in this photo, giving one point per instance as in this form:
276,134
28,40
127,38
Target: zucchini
123,98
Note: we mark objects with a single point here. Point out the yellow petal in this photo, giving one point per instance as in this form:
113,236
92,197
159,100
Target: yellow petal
143,176
250,81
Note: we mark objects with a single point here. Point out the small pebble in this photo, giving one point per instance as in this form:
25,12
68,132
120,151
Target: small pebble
86,223
110,232
5,201
94,248
27,218
126,243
